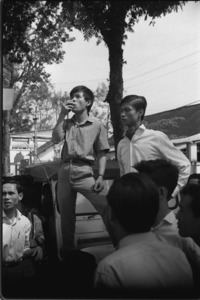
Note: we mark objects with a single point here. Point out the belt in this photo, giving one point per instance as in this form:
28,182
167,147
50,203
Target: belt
78,161
9,264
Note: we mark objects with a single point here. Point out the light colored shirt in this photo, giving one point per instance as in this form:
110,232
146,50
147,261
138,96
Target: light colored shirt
148,144
167,231
85,140
15,237
144,262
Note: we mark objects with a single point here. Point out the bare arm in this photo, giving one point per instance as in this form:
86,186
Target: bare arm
58,133
101,168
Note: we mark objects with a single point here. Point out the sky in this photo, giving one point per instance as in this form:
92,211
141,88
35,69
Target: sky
163,61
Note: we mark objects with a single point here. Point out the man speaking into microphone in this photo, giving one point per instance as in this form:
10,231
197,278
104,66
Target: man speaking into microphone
85,140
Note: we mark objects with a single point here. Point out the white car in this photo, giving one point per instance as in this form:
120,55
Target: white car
90,234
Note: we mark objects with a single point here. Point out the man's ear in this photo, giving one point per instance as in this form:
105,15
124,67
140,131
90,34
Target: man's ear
163,192
141,112
20,196
88,103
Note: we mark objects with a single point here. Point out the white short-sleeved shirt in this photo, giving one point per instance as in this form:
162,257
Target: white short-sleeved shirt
15,237
167,231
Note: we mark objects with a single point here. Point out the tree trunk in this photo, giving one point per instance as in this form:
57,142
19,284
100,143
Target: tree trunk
115,93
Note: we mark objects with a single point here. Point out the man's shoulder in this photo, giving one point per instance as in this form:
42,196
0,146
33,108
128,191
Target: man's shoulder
155,135
154,132
94,121
123,141
122,255
136,253
96,124
110,260
23,218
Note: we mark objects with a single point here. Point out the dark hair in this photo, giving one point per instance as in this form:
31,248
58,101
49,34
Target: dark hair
162,172
134,201
193,190
88,94
13,180
138,102
194,176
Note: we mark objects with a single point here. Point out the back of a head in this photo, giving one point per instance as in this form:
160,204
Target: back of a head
194,178
138,102
88,94
162,172
193,190
134,201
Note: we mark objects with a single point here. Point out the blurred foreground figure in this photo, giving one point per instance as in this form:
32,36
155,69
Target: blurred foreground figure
142,266
165,176
189,213
194,178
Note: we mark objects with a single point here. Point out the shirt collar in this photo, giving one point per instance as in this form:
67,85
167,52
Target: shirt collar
138,132
18,215
88,120
169,218
136,238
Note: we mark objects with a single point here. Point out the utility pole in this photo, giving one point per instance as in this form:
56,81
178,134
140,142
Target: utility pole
35,136
8,99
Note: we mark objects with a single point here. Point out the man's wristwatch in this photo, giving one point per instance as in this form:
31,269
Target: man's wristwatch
101,175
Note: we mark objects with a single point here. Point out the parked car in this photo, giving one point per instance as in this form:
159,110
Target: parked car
90,235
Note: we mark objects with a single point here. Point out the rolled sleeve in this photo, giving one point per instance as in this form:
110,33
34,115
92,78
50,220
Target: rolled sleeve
121,167
176,157
101,143
38,230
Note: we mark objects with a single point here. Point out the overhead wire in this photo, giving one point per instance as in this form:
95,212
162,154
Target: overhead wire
163,54
163,75
167,104
178,96
163,66
98,79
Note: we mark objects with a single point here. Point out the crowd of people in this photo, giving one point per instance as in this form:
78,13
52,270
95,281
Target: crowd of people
156,250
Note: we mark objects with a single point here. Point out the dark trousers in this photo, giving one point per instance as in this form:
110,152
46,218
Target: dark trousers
18,280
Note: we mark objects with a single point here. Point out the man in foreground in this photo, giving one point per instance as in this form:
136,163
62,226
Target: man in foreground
189,213
142,266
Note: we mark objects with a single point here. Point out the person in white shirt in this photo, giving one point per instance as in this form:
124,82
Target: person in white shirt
140,143
16,252
142,266
165,176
